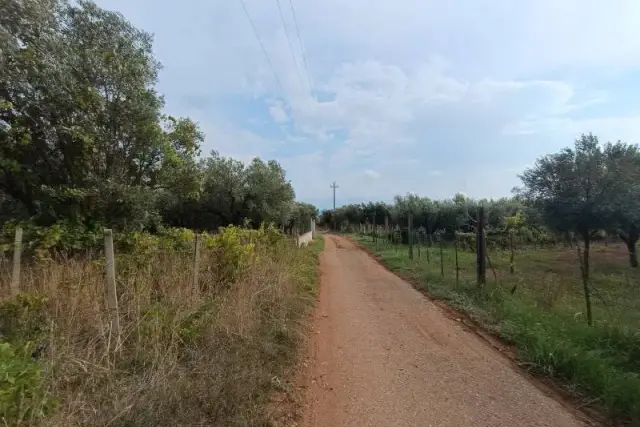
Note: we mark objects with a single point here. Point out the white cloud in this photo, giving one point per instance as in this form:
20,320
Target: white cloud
401,89
231,140
277,112
625,128
371,174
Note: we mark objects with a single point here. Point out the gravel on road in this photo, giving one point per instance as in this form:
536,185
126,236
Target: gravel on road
384,355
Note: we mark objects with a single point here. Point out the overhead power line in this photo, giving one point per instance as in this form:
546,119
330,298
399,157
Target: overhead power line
264,50
304,57
286,32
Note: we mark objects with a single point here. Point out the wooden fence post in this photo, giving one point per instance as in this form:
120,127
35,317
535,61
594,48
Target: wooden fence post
481,268
17,253
386,230
395,235
428,249
457,266
495,275
585,281
410,235
112,296
441,260
512,260
294,232
196,263
375,232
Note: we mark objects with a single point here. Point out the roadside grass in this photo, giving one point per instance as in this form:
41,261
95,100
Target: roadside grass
211,356
544,317
317,244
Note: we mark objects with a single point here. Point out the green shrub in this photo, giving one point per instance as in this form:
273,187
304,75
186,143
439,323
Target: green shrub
22,396
63,237
24,319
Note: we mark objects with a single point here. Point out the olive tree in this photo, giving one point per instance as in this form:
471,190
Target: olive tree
624,167
574,190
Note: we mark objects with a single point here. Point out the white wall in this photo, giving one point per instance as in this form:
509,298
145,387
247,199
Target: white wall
304,239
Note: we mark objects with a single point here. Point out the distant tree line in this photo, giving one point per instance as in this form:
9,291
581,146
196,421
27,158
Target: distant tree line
84,140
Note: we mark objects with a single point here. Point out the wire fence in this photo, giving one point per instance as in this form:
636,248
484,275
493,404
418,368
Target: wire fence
548,273
15,278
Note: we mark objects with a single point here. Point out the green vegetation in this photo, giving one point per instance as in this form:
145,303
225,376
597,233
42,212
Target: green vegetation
85,145
84,142
212,354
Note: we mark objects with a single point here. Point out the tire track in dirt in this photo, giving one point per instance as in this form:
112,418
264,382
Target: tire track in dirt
383,355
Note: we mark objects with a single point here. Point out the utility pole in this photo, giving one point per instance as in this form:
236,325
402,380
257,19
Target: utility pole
334,186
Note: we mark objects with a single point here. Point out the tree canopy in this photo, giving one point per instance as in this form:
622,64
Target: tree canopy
83,135
588,188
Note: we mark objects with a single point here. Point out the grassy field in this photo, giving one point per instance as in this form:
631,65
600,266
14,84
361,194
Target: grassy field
215,356
544,317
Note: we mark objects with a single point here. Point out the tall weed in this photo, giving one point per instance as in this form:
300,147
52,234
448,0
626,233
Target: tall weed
205,355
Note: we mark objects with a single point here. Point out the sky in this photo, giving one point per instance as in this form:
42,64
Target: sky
390,97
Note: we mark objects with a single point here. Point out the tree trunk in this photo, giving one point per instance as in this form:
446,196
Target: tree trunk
630,240
633,255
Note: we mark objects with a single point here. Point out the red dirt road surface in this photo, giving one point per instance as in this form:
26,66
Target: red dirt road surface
383,355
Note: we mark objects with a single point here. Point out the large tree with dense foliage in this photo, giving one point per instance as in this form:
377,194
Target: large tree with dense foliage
83,137
583,190
587,189
624,198
269,195
82,132
228,191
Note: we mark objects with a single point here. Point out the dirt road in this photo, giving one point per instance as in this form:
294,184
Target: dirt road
383,355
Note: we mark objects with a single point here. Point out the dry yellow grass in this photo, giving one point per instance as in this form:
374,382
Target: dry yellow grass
207,357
